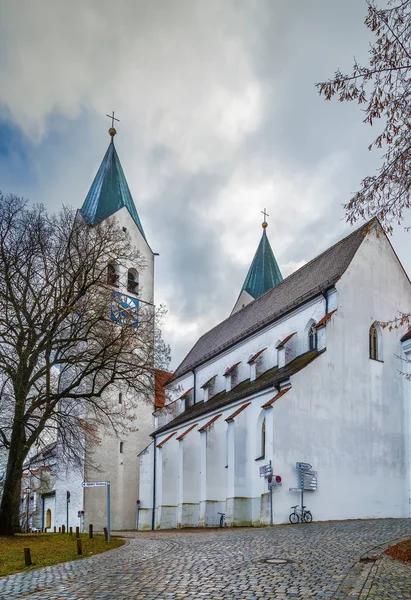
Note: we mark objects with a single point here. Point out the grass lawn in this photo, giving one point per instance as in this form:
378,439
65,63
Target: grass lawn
401,551
48,549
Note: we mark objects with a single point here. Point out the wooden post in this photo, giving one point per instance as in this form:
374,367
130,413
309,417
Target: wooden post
71,531
27,557
63,529
77,532
106,533
90,531
54,529
79,548
59,529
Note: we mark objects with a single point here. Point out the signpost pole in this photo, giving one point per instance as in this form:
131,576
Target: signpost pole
108,511
271,502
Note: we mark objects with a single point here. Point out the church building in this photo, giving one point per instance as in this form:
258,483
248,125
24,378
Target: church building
299,396
53,492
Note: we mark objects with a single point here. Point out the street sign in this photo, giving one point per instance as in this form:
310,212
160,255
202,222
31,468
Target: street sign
266,470
303,466
94,483
309,480
295,489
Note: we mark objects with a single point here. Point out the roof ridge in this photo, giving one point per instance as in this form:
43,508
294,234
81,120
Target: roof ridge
277,287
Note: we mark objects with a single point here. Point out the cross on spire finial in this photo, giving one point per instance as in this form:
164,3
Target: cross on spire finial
112,130
265,213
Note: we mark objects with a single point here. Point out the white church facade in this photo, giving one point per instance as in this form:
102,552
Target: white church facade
301,371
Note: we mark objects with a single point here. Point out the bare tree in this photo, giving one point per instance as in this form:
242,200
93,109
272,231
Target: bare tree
383,87
65,338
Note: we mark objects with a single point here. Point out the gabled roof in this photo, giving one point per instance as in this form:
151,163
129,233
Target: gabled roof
109,192
311,280
264,272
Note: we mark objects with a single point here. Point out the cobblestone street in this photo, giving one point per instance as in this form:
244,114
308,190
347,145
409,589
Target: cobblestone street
324,562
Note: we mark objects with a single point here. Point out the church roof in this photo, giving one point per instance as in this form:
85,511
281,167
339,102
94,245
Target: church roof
264,272
109,192
272,377
309,281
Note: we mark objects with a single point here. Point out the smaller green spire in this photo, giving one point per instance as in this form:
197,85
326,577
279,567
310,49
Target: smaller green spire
264,272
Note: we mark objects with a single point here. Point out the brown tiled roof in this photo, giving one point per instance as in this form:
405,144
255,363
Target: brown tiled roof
255,356
285,340
325,318
183,435
276,397
166,439
272,377
160,379
407,336
310,281
229,370
208,381
210,422
238,411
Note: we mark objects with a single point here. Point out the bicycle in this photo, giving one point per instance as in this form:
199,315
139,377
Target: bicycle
296,515
222,519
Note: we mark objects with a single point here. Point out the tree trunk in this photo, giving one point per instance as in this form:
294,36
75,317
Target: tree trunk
10,501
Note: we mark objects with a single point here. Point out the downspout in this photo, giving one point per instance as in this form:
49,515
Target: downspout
194,384
153,519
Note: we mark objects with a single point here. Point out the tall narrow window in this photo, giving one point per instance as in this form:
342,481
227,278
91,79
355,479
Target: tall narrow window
112,275
121,447
373,342
312,338
120,398
262,449
132,281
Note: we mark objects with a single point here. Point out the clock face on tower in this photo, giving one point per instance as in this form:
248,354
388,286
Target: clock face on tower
124,309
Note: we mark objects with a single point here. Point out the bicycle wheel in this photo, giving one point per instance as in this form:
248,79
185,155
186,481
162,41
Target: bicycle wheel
307,517
294,518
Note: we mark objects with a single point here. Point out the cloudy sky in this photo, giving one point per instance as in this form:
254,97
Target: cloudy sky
219,119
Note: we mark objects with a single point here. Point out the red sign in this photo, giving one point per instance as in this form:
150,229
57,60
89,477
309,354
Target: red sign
138,502
278,479
270,479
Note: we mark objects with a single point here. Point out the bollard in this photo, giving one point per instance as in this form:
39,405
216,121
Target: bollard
27,557
106,533
54,529
63,529
79,548
71,531
59,529
77,532
90,531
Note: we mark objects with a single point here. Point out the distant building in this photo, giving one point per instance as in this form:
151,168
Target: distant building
302,371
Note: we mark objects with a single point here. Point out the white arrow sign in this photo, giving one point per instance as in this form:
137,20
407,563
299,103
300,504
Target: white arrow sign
94,483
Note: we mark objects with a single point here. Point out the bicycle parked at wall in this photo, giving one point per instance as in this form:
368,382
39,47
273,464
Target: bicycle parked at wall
304,515
222,518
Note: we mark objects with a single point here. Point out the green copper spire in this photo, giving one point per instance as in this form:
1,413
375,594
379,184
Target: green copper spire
264,272
109,191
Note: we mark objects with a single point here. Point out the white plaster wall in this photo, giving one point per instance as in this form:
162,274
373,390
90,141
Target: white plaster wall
146,487
71,479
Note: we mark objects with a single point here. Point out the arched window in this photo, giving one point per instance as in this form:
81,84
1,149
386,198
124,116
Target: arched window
112,274
262,439
48,518
374,342
312,338
132,281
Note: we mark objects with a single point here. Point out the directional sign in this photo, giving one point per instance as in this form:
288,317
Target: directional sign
303,466
94,483
295,489
266,470
309,480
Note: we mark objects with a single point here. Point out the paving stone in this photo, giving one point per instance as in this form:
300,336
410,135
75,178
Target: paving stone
228,564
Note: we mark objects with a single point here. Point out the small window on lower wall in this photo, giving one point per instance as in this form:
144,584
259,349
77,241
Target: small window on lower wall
121,447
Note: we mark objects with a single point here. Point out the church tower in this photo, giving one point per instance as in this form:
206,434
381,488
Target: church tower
263,274
115,459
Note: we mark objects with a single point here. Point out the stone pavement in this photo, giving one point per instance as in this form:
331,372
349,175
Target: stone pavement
229,564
